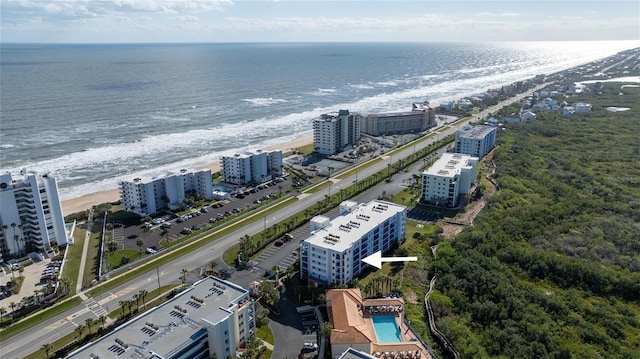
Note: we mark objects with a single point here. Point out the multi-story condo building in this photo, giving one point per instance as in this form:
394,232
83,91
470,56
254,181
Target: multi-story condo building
252,167
420,118
146,196
211,319
475,141
30,214
333,132
450,177
333,252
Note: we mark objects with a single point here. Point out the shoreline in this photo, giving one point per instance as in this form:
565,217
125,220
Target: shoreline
84,202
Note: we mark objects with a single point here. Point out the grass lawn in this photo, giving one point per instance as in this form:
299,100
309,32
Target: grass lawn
265,334
71,268
318,187
306,149
115,258
27,323
358,168
92,253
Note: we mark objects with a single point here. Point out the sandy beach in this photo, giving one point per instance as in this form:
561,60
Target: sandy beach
78,204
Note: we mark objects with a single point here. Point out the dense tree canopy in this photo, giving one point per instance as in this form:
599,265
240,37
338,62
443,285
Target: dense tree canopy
552,267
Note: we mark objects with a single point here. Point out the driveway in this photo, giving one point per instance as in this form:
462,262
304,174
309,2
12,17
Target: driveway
287,328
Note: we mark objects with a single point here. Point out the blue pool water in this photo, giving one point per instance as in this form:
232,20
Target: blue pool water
386,329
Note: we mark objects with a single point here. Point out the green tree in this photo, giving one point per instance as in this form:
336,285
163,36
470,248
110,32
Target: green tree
142,294
102,319
89,322
269,293
47,347
327,327
80,330
183,275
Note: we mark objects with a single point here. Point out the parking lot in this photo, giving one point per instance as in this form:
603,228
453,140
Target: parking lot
34,280
168,227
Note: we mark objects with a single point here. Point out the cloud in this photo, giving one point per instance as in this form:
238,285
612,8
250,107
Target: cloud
502,14
187,18
169,6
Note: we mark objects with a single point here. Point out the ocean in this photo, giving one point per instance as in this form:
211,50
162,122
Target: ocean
92,115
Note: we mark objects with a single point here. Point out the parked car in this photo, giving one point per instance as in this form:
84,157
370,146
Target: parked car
166,225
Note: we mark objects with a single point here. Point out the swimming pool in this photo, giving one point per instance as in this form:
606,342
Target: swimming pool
387,330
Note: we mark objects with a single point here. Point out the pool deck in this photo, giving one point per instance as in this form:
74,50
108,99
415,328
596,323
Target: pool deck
352,321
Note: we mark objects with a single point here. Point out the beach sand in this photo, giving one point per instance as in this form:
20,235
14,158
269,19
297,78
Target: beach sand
78,204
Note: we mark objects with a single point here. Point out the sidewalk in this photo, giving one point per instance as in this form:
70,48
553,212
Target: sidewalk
85,249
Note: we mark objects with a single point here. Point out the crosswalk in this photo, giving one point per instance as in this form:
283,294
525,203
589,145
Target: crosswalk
95,308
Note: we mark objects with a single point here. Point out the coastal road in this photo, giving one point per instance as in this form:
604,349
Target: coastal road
50,330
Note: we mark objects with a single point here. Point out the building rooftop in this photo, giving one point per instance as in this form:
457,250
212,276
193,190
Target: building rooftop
344,230
478,131
351,353
398,114
149,179
178,322
352,321
449,165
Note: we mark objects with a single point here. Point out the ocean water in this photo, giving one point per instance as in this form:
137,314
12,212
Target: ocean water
95,114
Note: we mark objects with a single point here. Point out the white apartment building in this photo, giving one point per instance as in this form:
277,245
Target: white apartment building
451,176
252,167
420,118
146,196
31,217
333,254
211,319
475,141
333,132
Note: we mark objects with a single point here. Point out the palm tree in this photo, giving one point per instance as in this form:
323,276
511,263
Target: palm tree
122,303
13,307
89,322
212,267
66,283
47,349
183,277
80,329
3,311
140,243
327,327
142,294
102,319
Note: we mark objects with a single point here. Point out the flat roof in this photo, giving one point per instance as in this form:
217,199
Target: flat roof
478,131
397,114
178,321
345,230
449,165
150,179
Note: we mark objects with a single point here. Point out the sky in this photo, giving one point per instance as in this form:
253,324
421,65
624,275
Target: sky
142,21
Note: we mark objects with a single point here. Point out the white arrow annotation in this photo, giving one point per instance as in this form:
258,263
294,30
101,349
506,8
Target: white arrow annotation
376,259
